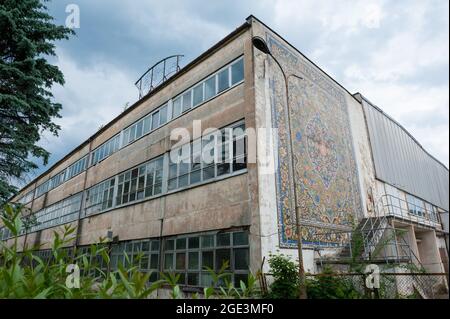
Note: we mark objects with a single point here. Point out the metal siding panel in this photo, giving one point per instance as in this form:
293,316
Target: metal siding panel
400,161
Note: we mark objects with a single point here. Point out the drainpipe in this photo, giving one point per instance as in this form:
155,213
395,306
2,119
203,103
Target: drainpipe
83,197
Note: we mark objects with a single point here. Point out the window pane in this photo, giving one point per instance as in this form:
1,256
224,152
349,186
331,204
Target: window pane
208,172
207,259
170,244
194,262
168,261
223,80
163,115
181,243
198,94
147,122
183,180
210,87
207,241
241,259
154,261
177,106
222,256
237,72
195,177
223,239
155,120
186,101
181,261
139,129
240,238
193,242
155,245
193,279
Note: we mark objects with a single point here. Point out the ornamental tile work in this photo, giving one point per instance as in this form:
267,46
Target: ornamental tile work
325,169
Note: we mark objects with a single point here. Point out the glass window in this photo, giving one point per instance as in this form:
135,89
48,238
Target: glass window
240,238
147,124
198,94
163,115
223,81
223,239
139,129
210,87
194,262
187,103
241,261
177,106
237,71
155,120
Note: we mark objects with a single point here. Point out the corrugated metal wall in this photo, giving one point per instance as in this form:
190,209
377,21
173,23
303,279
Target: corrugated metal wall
402,162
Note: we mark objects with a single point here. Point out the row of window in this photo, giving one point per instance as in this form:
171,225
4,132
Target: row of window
218,154
60,213
190,256
225,78
73,170
214,155
418,207
106,149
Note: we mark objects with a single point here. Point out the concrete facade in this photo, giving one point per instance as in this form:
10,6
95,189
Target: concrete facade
335,176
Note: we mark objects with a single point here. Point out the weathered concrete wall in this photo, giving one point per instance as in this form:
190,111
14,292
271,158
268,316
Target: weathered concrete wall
218,205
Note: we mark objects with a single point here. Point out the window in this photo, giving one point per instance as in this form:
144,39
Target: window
99,197
431,212
415,205
237,72
198,94
142,253
217,154
189,255
177,106
210,87
28,197
155,120
140,182
42,189
103,151
57,179
59,213
163,115
77,167
187,103
147,123
223,80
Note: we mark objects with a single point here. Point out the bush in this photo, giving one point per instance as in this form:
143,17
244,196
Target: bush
285,274
329,286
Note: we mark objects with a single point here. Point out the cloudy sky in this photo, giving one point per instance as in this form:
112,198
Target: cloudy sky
394,52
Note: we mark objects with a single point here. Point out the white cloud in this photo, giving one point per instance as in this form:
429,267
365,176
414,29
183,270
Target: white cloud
396,55
91,97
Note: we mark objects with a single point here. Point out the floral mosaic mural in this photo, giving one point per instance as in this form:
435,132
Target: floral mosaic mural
325,170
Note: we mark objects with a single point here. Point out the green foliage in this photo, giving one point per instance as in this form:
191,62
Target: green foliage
26,275
27,36
328,285
285,274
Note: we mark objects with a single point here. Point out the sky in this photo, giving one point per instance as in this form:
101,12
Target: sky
396,53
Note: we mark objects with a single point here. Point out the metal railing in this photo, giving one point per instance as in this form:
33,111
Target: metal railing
160,72
389,205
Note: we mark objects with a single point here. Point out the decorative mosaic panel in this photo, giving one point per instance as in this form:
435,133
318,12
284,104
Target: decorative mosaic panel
325,170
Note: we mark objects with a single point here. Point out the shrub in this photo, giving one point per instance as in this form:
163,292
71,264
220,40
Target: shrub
285,274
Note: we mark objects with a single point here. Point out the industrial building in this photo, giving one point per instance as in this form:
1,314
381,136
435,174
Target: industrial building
333,155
